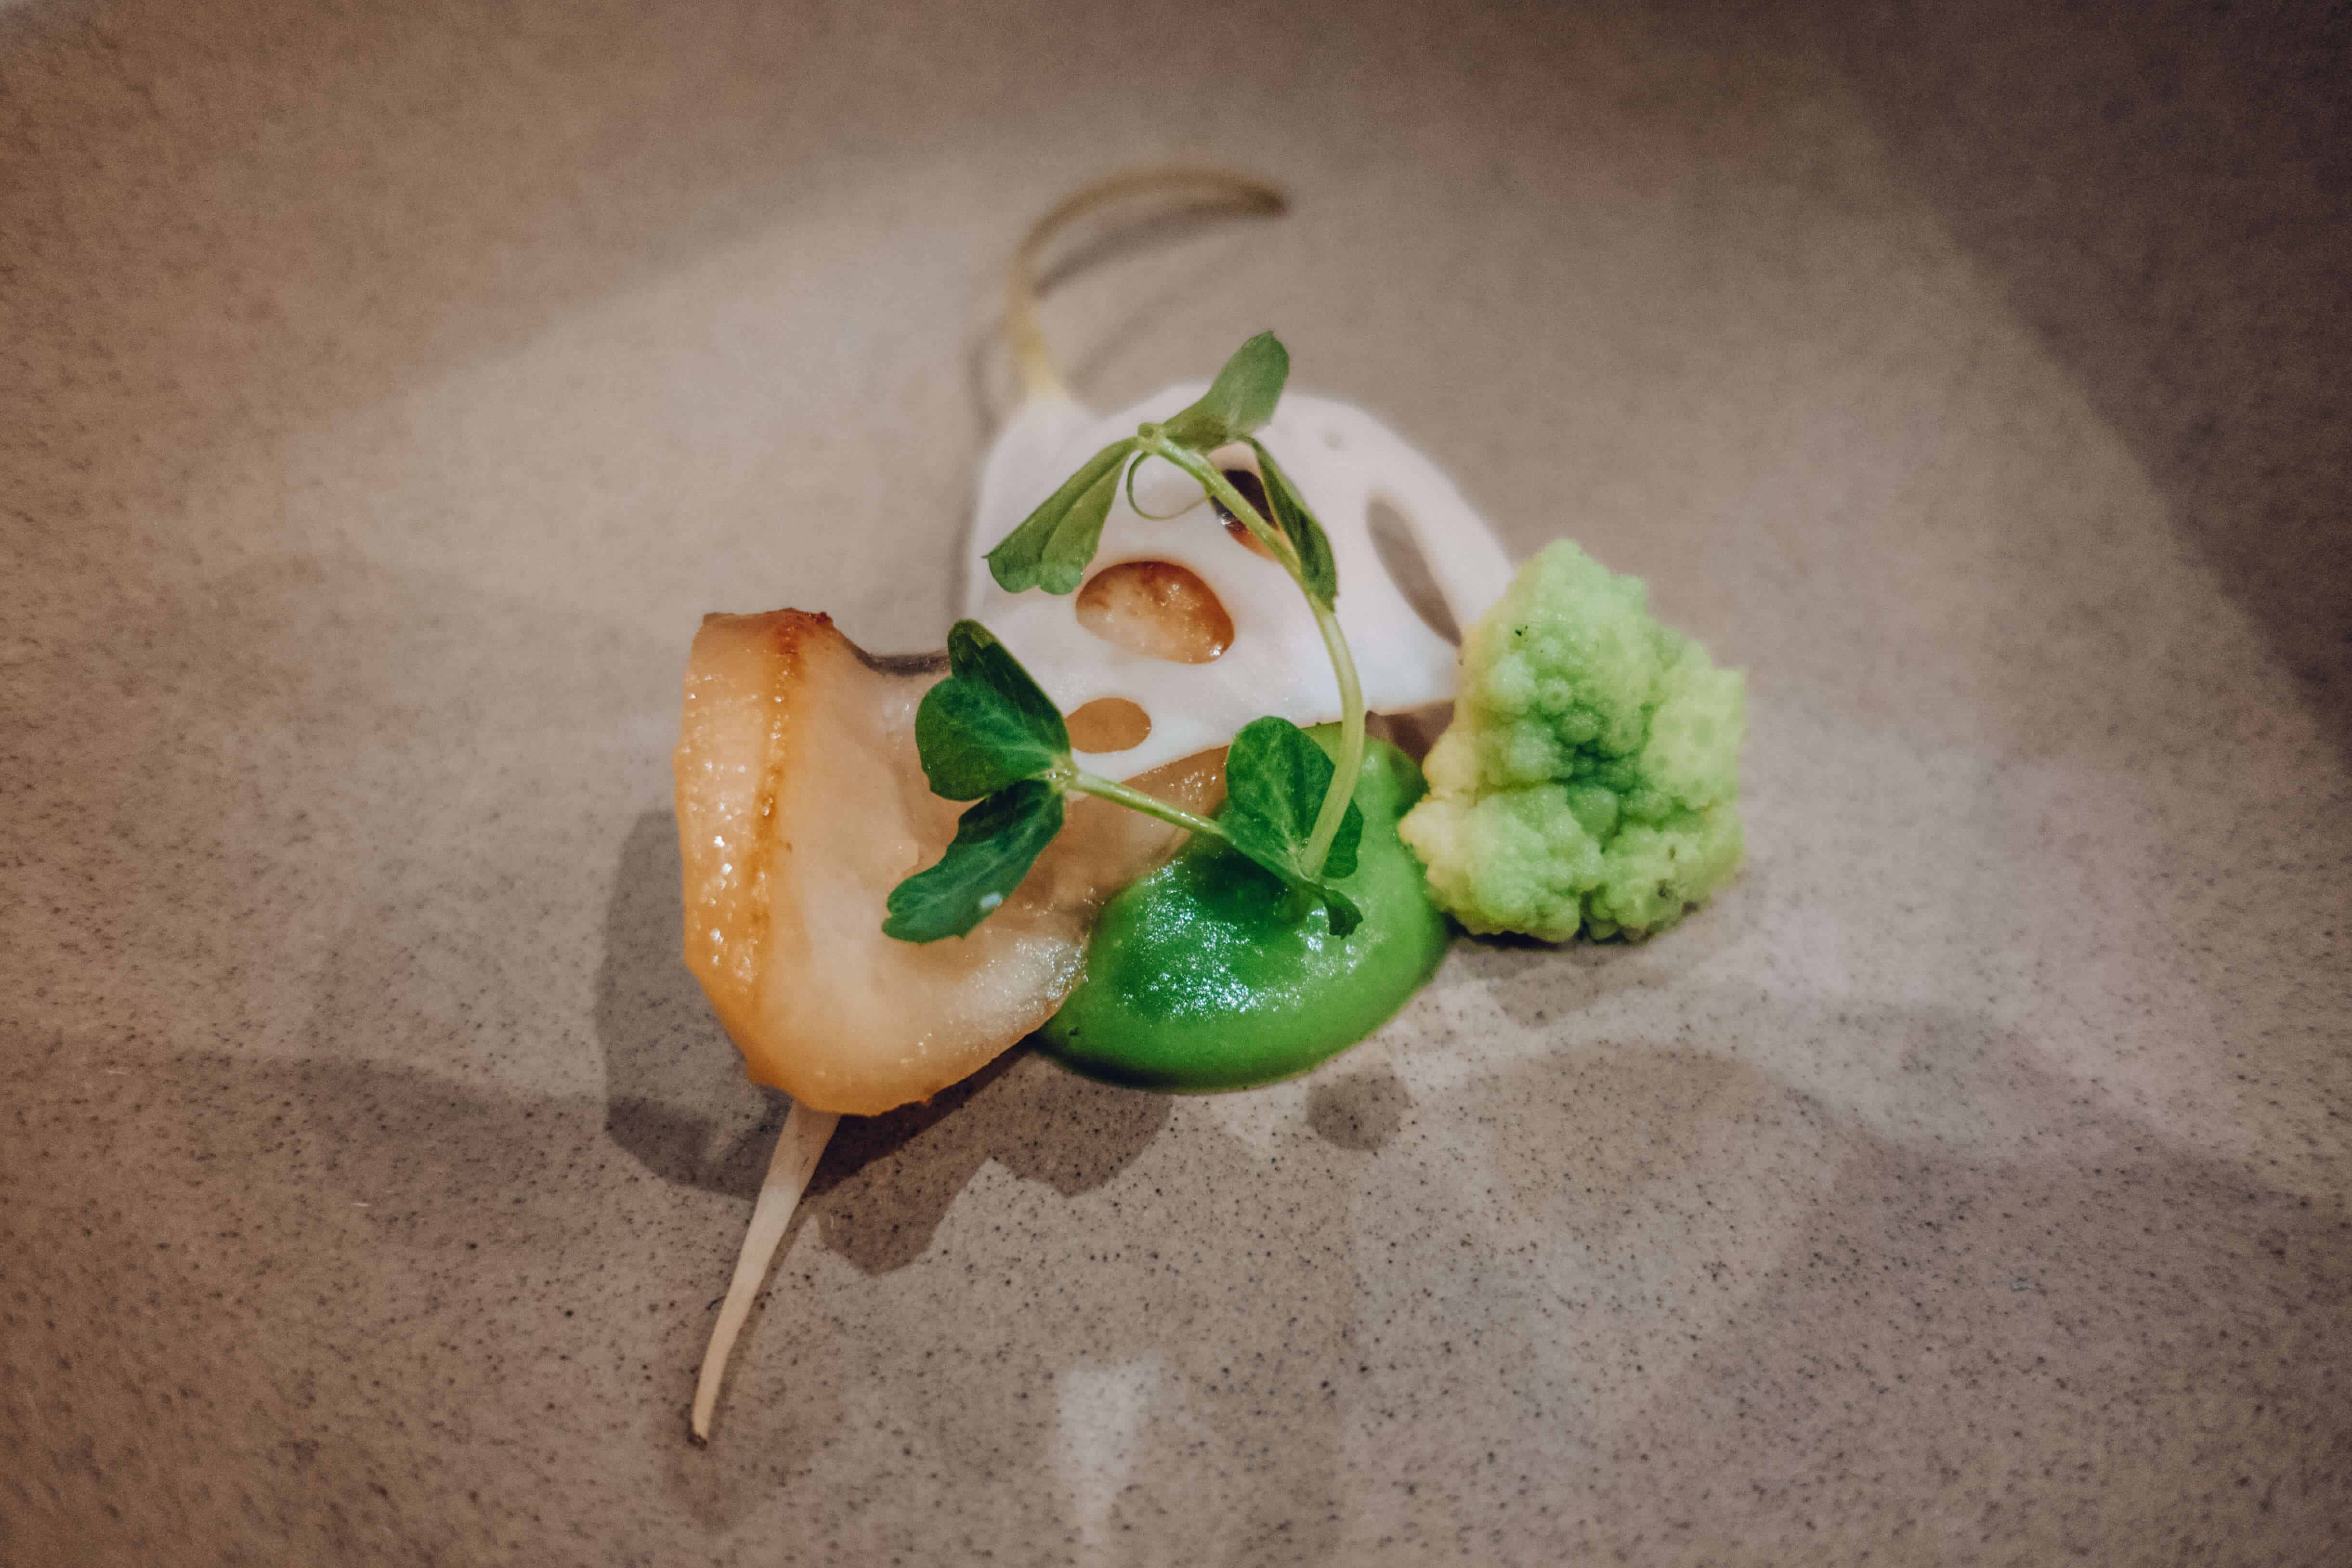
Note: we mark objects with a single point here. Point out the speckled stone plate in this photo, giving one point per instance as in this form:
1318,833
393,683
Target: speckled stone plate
385,391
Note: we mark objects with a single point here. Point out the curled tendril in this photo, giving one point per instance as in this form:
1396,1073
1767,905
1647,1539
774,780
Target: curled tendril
1155,516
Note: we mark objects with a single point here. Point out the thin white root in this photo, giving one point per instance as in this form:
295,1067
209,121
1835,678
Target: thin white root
1210,187
798,1148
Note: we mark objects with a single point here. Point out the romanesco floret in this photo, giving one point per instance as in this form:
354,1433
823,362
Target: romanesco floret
1591,777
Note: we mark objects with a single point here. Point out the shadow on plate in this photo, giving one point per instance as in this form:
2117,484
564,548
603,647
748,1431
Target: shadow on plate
2161,192
676,1100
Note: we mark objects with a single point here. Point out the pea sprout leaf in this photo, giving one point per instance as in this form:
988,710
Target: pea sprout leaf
1078,535
1318,572
1276,777
1339,908
1053,544
974,654
988,725
995,844
1239,401
989,733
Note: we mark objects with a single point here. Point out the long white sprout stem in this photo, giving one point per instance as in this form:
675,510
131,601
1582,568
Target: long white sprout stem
798,1148
1040,378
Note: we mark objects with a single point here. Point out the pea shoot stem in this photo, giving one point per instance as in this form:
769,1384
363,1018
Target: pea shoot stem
1136,800
1212,478
1350,760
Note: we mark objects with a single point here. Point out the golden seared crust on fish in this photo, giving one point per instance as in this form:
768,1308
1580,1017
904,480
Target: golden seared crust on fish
801,804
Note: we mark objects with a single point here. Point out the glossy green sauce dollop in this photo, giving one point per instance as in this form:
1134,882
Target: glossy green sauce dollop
1203,977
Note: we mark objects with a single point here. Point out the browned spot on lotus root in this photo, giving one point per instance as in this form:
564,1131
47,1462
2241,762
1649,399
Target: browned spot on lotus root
1109,724
1253,489
1156,608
